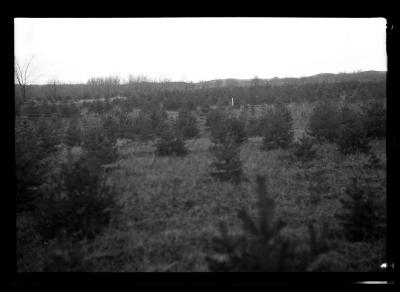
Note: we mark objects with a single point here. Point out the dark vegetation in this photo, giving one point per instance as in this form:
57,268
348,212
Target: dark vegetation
351,135
304,149
187,124
277,128
364,212
86,203
227,133
324,122
226,165
170,142
173,95
76,201
261,247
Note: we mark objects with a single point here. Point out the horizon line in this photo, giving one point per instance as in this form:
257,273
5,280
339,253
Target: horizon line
167,80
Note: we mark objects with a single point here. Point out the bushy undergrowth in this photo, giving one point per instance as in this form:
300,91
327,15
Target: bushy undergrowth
277,128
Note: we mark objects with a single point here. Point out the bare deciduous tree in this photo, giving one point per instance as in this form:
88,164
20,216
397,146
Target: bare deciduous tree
22,76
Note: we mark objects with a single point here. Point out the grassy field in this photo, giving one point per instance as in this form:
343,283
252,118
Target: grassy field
172,207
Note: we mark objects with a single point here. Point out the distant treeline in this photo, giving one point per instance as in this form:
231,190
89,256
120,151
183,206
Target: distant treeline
175,94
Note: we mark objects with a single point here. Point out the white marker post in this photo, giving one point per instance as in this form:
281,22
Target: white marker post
232,101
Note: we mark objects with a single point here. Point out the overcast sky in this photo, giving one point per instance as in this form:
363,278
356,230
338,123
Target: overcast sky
73,50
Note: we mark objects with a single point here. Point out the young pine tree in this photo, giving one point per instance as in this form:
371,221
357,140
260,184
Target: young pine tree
226,127
363,216
96,144
351,135
303,150
76,201
253,127
142,127
260,247
277,128
125,126
226,165
170,143
158,118
187,124
374,120
214,117
324,122
73,136
29,168
48,136
110,128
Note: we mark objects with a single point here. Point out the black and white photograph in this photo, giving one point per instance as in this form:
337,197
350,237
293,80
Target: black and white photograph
201,144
